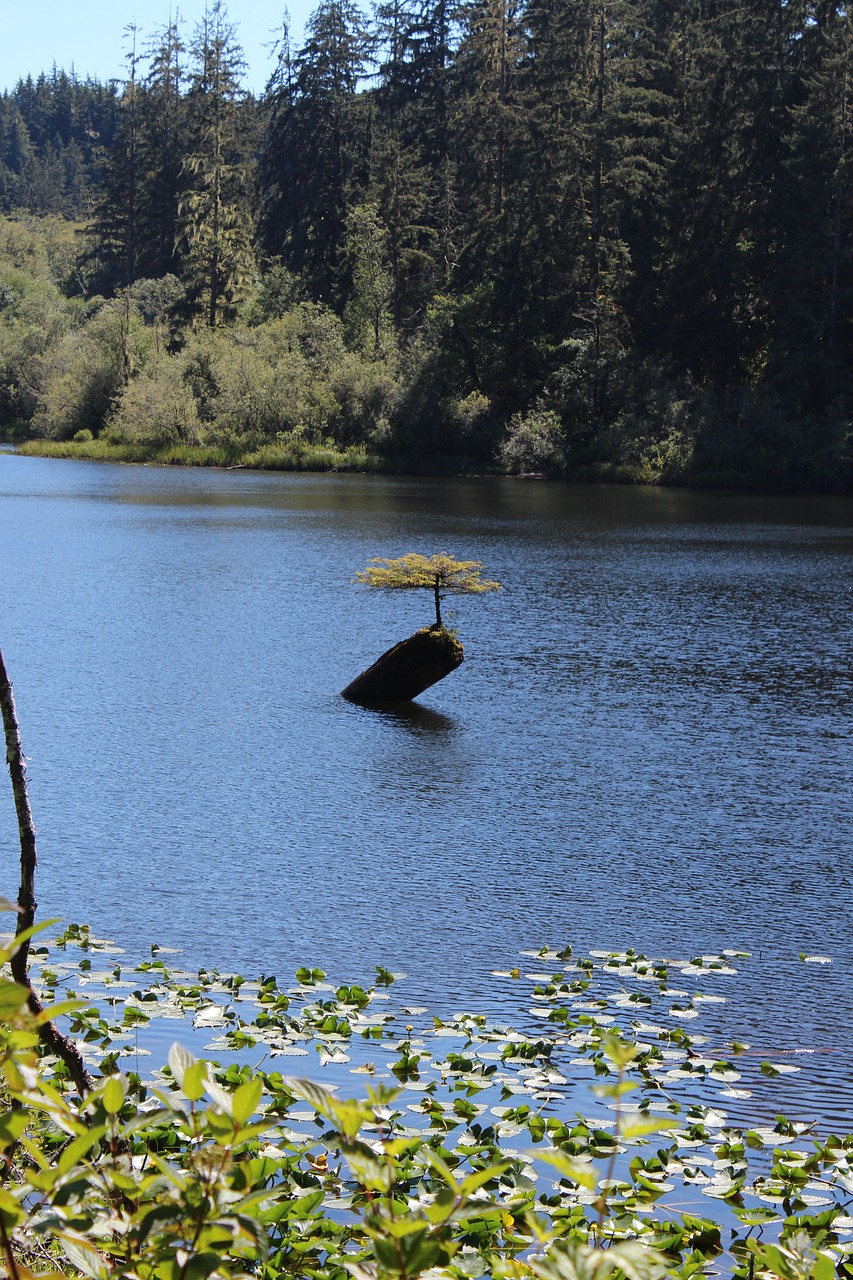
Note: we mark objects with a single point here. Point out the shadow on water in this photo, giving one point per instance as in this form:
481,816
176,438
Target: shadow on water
410,715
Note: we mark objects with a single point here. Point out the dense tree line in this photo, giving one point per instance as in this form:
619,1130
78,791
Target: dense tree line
54,133
608,237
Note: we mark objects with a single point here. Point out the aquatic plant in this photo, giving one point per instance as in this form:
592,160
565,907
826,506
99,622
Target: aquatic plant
465,1156
584,1143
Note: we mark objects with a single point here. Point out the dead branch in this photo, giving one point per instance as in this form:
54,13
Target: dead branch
51,1036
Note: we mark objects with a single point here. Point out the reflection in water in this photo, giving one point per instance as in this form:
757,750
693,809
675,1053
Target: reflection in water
411,715
647,745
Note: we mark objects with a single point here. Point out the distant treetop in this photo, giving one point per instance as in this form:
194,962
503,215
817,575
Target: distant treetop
441,574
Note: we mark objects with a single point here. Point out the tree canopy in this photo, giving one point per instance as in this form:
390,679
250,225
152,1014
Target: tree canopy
610,241
442,574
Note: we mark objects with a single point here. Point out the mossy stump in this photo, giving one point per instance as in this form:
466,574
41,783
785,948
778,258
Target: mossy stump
408,668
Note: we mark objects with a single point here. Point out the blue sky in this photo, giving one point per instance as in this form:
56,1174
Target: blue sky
89,34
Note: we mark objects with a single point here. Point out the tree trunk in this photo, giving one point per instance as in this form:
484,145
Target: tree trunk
50,1034
407,669
26,827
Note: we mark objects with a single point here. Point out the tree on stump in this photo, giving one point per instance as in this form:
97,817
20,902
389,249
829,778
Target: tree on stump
442,574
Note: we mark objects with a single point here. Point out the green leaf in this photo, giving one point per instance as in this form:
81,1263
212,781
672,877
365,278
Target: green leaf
85,1257
638,1261
754,1217
578,1171
618,1051
245,1100
160,1216
306,1205
12,1125
823,1268
180,1059
616,1090
473,1181
220,1124
321,1099
113,1096
11,1211
371,1172
61,1008
195,1081
442,1169
640,1128
223,1098
79,1147
12,998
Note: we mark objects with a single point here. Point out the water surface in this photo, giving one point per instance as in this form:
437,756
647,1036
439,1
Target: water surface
648,743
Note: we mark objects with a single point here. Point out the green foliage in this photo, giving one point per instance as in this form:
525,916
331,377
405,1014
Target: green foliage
215,222
206,1169
367,314
53,132
276,292
534,442
157,407
440,574
635,216
425,572
85,372
35,315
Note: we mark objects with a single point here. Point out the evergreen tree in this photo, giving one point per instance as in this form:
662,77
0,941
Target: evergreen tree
811,297
17,156
402,181
486,119
162,146
215,218
112,230
316,147
367,313
736,78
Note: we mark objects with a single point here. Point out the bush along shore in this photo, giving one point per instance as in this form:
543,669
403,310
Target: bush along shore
322,1130
289,383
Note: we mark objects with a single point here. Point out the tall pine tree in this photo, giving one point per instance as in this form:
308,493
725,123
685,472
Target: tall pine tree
215,220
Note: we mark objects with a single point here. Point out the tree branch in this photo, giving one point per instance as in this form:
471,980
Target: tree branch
50,1034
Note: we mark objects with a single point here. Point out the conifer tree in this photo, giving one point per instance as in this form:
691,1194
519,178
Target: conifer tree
812,290
112,231
215,224
162,145
316,147
400,177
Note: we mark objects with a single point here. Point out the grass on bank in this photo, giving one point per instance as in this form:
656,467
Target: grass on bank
286,455
299,455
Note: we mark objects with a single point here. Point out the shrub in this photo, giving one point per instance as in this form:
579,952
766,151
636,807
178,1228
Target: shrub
534,442
157,407
86,371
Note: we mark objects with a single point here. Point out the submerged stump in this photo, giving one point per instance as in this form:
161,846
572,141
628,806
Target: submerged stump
408,668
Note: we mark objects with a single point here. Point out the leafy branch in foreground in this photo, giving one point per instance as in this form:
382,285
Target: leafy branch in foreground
442,574
467,1164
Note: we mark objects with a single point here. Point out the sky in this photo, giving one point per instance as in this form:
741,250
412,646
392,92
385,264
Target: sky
89,34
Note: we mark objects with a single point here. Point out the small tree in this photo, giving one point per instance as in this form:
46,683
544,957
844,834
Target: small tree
441,574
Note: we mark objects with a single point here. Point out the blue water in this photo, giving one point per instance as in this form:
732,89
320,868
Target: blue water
648,744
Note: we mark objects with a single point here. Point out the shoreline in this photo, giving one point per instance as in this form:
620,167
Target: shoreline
299,456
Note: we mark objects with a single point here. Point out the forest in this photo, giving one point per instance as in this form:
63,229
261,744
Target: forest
610,241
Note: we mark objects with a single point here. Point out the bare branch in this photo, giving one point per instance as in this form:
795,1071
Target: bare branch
50,1034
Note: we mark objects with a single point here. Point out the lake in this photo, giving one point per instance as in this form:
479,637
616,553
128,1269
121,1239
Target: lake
648,744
